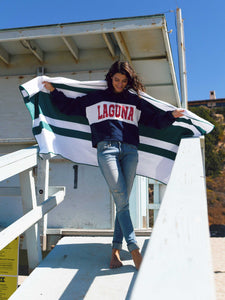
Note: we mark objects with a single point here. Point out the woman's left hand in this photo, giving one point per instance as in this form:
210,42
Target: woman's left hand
177,113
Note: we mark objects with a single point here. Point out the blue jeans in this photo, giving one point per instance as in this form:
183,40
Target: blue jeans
118,163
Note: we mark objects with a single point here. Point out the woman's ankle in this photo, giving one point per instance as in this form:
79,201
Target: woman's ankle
115,259
137,258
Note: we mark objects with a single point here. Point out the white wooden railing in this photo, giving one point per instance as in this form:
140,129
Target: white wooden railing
35,199
177,262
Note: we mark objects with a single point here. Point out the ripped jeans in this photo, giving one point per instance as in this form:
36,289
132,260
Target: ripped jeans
118,163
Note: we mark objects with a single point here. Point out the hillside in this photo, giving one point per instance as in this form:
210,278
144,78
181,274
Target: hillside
215,164
216,199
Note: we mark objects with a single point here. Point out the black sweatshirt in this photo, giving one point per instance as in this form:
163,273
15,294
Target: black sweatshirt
113,116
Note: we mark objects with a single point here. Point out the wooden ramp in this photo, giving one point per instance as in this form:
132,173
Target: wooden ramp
78,268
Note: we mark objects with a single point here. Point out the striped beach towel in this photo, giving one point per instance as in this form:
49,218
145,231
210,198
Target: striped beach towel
70,136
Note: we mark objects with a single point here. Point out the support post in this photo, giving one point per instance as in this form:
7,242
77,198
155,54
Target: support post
177,262
156,200
42,195
29,202
182,60
159,190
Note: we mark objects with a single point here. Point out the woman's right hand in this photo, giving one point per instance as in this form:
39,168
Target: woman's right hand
48,86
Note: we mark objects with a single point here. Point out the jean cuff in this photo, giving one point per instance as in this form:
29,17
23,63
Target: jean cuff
132,247
117,246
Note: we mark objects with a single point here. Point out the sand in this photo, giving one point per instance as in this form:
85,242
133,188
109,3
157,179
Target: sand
218,261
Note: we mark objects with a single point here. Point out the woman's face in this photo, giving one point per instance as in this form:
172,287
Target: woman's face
119,82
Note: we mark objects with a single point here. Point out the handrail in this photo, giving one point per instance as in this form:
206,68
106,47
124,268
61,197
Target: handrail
35,207
30,218
17,162
177,262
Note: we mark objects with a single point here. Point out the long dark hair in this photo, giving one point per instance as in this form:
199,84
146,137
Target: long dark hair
123,67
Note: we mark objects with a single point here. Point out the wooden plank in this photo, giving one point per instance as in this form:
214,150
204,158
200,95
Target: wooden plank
10,191
29,202
71,45
25,222
93,27
154,206
18,161
122,45
78,268
42,195
109,44
34,48
156,199
4,55
177,263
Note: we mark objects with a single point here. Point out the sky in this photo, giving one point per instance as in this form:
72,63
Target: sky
204,25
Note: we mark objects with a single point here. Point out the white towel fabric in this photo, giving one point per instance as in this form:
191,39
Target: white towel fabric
70,136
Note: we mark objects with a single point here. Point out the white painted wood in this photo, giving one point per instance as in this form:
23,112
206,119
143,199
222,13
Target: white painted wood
10,191
4,55
154,206
81,28
109,44
156,200
182,58
29,202
158,192
17,141
177,263
15,119
78,268
71,45
22,162
85,207
171,63
122,45
32,217
138,201
34,48
42,194
16,162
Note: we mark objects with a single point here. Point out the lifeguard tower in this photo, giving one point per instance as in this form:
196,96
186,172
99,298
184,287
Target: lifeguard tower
31,187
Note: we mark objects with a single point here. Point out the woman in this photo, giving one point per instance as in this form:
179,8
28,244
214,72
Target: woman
114,115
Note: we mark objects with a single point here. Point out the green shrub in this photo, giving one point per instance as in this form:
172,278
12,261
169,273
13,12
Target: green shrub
214,157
